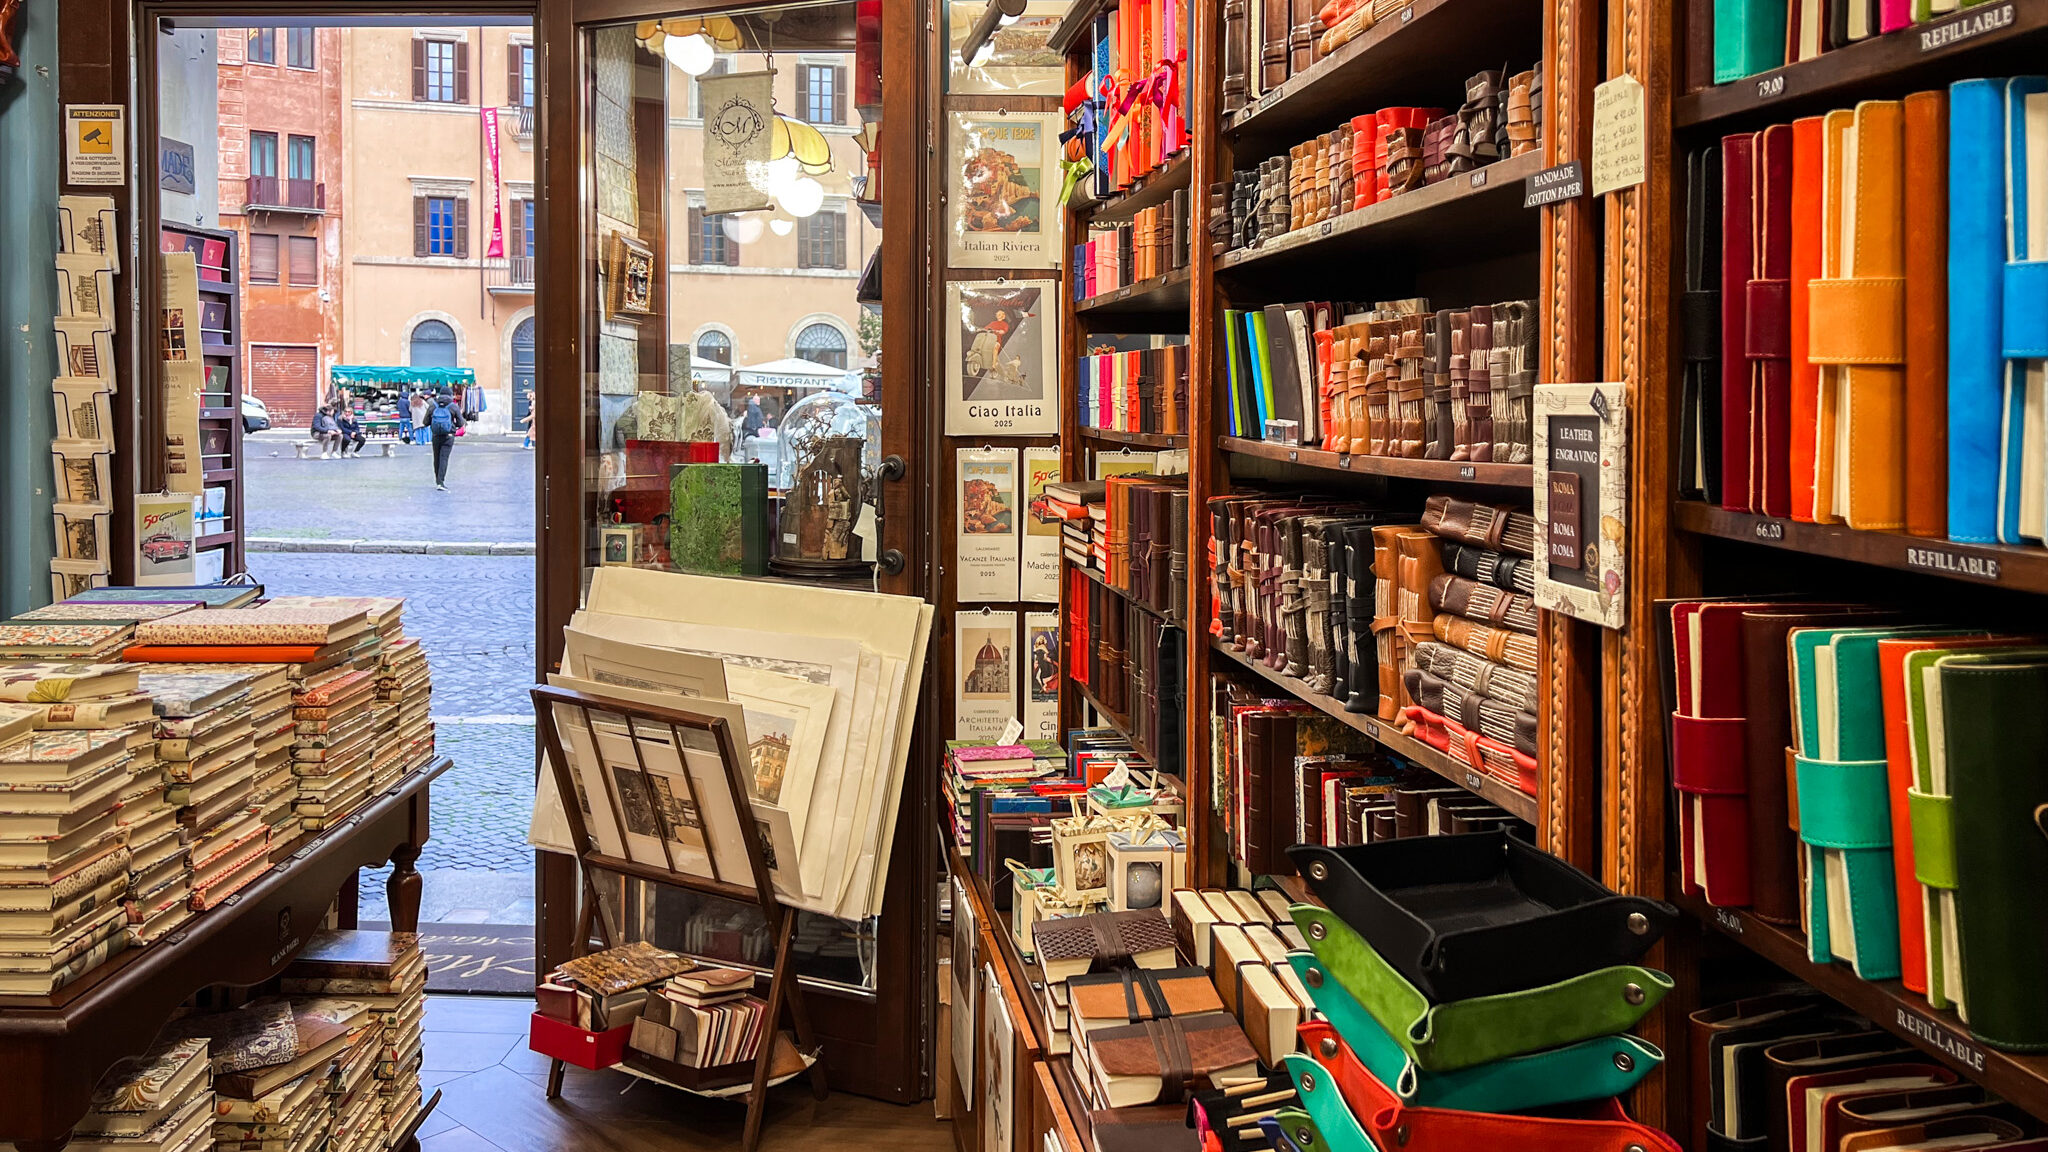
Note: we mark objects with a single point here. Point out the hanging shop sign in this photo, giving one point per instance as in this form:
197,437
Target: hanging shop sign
739,115
1582,501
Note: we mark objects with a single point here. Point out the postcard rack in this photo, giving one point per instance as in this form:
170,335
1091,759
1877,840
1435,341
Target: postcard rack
562,714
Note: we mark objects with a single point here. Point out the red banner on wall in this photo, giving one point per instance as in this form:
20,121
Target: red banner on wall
496,248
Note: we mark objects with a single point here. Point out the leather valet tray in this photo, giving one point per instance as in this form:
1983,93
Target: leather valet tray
1479,914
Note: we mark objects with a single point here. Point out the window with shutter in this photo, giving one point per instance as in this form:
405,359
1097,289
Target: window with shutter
517,242
440,71
839,240
461,73
305,253
262,258
441,226
419,70
462,229
519,75
839,94
421,241
696,235
821,240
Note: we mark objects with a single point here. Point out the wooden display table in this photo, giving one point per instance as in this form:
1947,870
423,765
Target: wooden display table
55,1048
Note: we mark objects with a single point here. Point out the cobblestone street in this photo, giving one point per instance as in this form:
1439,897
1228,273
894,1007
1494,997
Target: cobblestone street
473,615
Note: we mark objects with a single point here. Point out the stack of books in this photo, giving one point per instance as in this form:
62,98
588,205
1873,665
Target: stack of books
287,630
703,1018
56,640
274,787
63,859
160,1101
281,1067
1077,503
332,753
403,677
208,750
994,786
386,971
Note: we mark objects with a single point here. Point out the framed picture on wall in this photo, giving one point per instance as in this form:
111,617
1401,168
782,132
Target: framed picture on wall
629,279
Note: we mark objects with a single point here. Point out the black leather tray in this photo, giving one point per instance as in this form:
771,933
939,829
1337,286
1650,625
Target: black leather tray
1479,914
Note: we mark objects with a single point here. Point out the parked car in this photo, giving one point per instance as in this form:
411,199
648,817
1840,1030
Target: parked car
164,546
255,415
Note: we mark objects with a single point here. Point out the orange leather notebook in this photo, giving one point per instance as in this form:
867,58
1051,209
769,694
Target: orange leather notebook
1926,196
1806,233
1898,755
222,653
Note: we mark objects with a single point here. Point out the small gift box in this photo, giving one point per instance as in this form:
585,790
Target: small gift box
1126,793
1026,883
1080,855
1146,864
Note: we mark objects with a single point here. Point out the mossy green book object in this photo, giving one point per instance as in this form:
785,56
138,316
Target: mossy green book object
718,519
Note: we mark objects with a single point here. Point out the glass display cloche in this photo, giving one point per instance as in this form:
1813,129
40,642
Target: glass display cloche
831,446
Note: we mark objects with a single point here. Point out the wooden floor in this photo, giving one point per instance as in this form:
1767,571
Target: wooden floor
493,1099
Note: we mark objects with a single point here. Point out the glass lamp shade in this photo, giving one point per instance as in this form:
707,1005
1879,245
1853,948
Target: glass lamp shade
831,444
693,54
740,228
804,198
719,31
789,137
781,227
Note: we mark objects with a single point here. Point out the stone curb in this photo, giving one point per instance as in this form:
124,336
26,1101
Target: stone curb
407,547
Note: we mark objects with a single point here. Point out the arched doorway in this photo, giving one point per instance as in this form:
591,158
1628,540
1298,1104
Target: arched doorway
433,345
522,371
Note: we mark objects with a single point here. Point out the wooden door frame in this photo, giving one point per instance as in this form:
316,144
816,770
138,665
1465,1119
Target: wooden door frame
889,1057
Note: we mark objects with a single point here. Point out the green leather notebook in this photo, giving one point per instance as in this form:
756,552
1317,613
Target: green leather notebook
1844,798
1931,813
1993,732
1749,37
718,519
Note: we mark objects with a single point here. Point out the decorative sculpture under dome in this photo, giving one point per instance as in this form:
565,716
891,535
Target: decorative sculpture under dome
828,440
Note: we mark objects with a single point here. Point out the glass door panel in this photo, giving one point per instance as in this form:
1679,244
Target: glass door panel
725,237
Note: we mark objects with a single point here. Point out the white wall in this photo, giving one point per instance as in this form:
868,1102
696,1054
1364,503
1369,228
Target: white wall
188,111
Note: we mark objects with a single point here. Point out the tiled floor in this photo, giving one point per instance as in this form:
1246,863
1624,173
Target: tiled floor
493,1099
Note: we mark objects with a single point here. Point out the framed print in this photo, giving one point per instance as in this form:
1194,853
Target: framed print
619,544
999,1067
966,966
1002,172
1002,360
984,674
629,279
985,539
1015,61
1582,501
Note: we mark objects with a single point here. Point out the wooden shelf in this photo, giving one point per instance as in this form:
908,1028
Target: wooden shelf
218,413
216,475
64,1042
1472,212
1989,40
1519,803
1097,575
1887,1003
1420,55
1153,188
1160,294
1436,471
215,540
1121,723
1136,439
221,350
2019,567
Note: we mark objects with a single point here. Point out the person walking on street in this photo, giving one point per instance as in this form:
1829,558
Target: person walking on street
445,421
419,408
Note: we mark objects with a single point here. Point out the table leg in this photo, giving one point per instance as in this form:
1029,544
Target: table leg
555,1070
403,889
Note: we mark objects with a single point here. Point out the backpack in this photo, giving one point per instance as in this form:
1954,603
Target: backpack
443,420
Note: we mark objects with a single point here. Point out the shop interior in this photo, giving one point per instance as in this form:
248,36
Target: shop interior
1357,575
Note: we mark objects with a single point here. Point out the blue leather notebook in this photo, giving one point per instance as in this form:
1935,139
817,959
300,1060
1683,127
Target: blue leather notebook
2023,467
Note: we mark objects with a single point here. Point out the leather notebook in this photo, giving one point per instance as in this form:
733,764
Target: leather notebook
1926,338
1976,278
1749,37
1706,1024
1756,212
1814,1102
1709,739
1738,260
1995,730
1478,915
1857,318
1792,1059
1699,434
1804,400
1773,846
1744,1103
2023,467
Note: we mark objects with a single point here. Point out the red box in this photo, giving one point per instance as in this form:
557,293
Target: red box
578,1046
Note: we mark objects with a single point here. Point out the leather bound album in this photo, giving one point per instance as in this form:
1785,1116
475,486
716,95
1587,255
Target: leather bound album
1803,403
1793,1059
1161,1061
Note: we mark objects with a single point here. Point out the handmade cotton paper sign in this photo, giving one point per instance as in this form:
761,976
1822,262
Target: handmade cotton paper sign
738,118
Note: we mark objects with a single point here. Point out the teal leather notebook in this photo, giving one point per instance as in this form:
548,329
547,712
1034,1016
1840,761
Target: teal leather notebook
1749,37
1844,798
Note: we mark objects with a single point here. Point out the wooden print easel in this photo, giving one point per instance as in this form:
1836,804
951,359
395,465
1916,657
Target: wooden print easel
783,989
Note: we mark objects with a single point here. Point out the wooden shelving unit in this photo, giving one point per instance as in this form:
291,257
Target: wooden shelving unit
220,301
1134,439
1145,192
1165,293
1688,547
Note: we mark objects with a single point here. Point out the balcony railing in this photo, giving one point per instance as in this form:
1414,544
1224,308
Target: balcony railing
272,194
513,274
524,127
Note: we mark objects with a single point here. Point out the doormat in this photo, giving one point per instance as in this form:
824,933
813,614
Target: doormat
482,959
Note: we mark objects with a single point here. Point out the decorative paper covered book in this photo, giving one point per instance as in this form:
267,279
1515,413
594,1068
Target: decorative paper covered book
628,966
55,682
178,695
137,1092
50,638
274,623
1103,941
203,595
718,519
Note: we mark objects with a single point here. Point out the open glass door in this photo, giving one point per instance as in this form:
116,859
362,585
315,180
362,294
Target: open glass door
729,263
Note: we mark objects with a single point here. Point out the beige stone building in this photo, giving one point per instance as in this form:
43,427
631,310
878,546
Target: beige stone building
421,287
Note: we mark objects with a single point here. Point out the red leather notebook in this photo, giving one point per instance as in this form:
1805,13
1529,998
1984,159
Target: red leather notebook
1767,324
1804,400
1738,204
1709,736
1926,195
